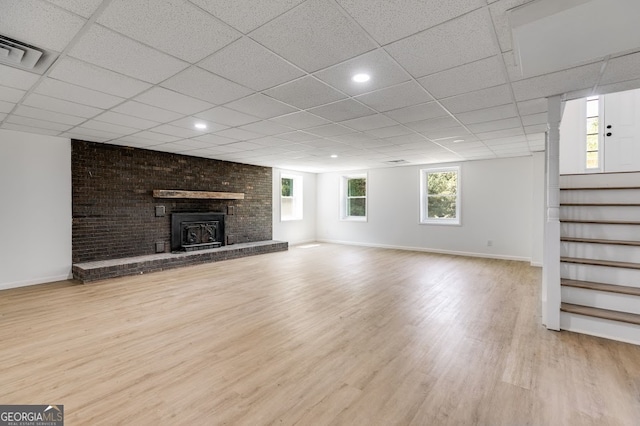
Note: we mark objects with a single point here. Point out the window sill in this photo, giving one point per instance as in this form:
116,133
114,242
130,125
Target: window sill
441,222
354,219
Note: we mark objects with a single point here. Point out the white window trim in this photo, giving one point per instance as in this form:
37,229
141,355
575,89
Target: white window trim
343,198
424,219
297,197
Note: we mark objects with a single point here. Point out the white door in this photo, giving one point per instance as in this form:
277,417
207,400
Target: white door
621,131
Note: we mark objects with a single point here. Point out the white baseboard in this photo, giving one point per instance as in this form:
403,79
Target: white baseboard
35,281
537,264
430,250
301,242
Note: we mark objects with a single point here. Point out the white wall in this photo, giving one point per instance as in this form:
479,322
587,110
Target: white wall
497,205
295,231
35,209
573,134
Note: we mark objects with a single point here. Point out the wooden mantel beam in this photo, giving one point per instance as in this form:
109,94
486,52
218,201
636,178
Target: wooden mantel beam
199,195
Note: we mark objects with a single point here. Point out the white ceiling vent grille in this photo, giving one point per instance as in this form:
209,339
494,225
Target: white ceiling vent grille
25,56
396,162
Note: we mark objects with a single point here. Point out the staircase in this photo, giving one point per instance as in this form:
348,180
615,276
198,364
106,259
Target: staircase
600,255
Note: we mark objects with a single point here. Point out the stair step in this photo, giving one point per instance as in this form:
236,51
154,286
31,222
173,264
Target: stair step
600,313
600,241
601,222
599,188
597,262
611,288
600,204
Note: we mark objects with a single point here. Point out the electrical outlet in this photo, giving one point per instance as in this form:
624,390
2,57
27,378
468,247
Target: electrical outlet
489,243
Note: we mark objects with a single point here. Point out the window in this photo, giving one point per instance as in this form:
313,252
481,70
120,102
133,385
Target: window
290,197
593,134
354,197
440,196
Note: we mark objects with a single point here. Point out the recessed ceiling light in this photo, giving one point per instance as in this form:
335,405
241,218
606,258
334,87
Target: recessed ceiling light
361,78
200,126
334,156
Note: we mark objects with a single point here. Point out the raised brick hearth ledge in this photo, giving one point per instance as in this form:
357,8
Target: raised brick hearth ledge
103,269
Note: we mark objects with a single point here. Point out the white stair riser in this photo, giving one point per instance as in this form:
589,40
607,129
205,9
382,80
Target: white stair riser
600,180
611,252
601,299
614,330
600,274
611,213
600,231
600,196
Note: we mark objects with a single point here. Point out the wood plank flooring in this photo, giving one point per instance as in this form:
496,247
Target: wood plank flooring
324,335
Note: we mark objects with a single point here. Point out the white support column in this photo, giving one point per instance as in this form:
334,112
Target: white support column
551,268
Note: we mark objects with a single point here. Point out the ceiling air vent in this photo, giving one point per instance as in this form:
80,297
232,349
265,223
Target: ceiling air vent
396,162
25,56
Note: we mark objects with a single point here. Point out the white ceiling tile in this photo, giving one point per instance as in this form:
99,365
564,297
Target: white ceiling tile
305,93
509,140
406,139
6,106
400,96
383,72
29,129
19,79
448,133
313,36
134,141
227,116
158,137
147,112
456,42
267,128
500,134
433,123
239,61
300,120
92,77
387,132
109,127
192,143
103,47
58,105
246,15
388,21
3,116
480,99
41,124
261,106
533,106
9,94
369,122
41,114
342,110
488,114
83,8
243,145
176,27
238,134
622,68
488,126
172,101
201,84
533,119
329,130
69,92
557,83
501,20
272,142
190,123
172,147
126,120
297,136
618,87
536,128
180,132
417,112
477,75
39,23
214,139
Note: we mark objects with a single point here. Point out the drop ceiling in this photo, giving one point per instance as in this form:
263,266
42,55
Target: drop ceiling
271,80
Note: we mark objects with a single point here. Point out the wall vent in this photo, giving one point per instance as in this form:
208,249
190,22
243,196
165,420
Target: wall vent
396,162
25,56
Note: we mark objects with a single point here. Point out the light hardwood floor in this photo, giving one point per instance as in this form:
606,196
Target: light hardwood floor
322,335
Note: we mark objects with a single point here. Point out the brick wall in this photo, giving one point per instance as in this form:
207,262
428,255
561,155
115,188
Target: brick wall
114,210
